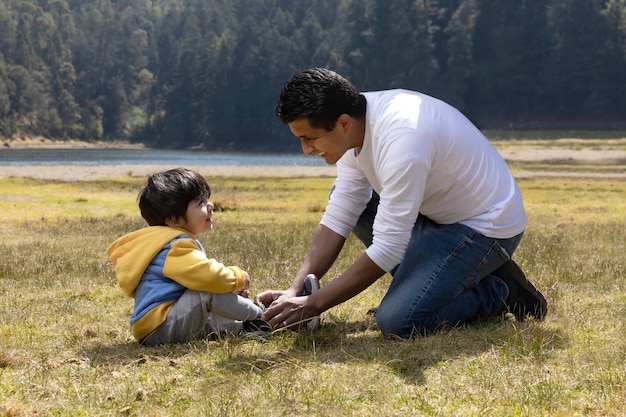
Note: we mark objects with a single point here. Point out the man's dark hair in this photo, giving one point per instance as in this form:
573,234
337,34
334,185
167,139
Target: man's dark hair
167,194
321,96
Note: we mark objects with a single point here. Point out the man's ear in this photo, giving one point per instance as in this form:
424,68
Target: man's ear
173,221
344,121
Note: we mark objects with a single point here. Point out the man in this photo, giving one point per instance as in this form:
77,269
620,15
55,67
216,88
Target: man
432,200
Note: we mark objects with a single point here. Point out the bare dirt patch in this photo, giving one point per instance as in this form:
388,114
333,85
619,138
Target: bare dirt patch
540,154
87,173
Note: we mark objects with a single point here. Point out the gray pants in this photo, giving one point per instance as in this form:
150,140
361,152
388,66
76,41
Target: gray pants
198,315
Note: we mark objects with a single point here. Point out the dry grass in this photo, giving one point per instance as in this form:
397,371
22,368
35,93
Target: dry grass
66,350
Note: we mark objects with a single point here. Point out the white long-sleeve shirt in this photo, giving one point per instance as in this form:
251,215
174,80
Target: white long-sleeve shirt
422,155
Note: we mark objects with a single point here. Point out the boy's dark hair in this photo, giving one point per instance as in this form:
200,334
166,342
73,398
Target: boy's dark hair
321,96
167,194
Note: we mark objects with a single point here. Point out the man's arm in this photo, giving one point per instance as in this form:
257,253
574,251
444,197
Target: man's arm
360,275
324,250
325,247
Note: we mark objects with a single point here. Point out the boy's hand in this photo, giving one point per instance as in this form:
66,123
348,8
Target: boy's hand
245,291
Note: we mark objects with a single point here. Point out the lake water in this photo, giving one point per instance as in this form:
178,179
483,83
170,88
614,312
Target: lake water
94,157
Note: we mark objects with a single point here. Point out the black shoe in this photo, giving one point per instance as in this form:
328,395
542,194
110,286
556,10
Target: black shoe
372,312
524,299
257,327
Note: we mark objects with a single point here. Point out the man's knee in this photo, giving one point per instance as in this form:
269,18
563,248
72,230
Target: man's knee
387,326
393,323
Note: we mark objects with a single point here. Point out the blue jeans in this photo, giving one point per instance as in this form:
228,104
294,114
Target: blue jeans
444,278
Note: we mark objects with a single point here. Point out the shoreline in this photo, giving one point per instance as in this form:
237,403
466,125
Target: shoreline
89,173
97,172
44,143
561,150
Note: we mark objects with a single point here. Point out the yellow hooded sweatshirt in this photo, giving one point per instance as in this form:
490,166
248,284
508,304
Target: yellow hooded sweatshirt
155,265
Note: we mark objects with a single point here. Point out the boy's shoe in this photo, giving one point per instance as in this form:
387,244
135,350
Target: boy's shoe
311,284
524,299
255,328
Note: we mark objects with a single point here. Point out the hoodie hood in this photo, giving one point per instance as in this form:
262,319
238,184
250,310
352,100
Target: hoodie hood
131,254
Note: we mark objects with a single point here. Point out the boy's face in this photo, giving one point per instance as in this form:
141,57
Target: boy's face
198,217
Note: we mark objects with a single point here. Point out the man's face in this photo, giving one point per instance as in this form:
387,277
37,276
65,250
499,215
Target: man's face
329,145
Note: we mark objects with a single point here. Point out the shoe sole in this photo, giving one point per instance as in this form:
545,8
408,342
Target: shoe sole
311,285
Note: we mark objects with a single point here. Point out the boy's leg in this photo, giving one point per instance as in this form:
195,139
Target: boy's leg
198,315
444,279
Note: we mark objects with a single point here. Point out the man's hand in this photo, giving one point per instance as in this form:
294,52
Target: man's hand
268,297
288,311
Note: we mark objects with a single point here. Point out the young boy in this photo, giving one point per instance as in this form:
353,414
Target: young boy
180,294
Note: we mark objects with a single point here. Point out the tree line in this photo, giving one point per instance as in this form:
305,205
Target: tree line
207,73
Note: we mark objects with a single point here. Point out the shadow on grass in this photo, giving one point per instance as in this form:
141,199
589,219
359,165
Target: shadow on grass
348,342
131,353
360,342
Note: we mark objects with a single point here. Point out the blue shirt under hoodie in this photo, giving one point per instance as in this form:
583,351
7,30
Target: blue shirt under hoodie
155,288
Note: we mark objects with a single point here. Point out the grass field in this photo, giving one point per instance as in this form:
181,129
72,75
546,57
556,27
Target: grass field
66,349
